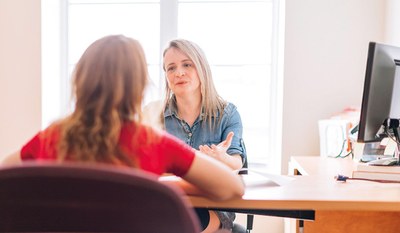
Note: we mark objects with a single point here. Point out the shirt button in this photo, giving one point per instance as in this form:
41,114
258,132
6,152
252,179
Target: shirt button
190,134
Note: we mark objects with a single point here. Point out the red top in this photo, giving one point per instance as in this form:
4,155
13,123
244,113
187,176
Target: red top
162,154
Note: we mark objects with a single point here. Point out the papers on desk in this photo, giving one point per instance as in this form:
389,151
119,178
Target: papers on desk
260,178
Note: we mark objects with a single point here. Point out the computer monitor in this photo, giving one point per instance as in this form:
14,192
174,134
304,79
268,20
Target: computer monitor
380,108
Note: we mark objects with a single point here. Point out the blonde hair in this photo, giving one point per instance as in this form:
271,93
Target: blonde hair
212,104
108,85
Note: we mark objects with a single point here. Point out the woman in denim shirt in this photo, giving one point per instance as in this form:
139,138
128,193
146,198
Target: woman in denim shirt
195,113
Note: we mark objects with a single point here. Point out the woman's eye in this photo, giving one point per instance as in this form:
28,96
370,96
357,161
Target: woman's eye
187,65
170,69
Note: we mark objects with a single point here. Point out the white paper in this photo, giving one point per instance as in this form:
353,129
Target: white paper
254,178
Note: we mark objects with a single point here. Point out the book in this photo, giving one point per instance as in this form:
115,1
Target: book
376,175
374,168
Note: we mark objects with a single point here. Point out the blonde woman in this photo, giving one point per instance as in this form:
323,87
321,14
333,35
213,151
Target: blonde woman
105,126
195,113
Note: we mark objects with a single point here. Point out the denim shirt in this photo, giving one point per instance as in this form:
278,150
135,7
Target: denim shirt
201,134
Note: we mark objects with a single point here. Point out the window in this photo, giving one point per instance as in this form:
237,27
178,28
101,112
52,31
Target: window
241,40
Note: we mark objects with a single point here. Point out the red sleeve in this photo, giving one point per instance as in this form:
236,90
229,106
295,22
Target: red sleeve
31,149
157,151
42,146
178,156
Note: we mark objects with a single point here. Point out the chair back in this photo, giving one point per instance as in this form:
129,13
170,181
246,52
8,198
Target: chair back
96,198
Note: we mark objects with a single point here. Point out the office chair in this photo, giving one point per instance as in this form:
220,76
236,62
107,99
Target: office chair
82,198
250,217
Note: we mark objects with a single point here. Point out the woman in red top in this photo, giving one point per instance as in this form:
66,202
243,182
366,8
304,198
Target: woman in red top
105,127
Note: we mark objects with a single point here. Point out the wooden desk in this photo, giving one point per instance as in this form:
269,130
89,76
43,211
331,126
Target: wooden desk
378,213
354,206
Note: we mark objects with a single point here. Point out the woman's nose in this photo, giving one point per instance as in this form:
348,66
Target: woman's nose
180,72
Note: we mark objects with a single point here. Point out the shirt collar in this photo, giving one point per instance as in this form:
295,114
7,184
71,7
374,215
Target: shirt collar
172,110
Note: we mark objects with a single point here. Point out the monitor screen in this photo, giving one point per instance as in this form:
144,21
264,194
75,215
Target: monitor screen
381,96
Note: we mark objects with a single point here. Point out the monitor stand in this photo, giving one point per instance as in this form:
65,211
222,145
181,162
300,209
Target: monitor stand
374,151
391,161
369,158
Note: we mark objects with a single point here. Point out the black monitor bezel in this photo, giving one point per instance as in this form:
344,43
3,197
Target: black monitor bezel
377,92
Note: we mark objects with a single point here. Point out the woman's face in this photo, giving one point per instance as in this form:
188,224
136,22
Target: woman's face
182,77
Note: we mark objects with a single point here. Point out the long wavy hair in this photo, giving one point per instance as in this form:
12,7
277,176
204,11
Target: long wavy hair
108,85
211,102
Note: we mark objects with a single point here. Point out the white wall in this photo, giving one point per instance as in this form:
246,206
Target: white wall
19,72
325,52
325,57
392,33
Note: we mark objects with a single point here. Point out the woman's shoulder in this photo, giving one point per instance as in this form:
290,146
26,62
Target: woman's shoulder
230,108
139,127
52,131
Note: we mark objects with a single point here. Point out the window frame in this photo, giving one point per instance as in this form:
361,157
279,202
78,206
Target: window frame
168,30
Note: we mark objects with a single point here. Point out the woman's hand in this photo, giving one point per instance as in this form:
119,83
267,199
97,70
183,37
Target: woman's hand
219,152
